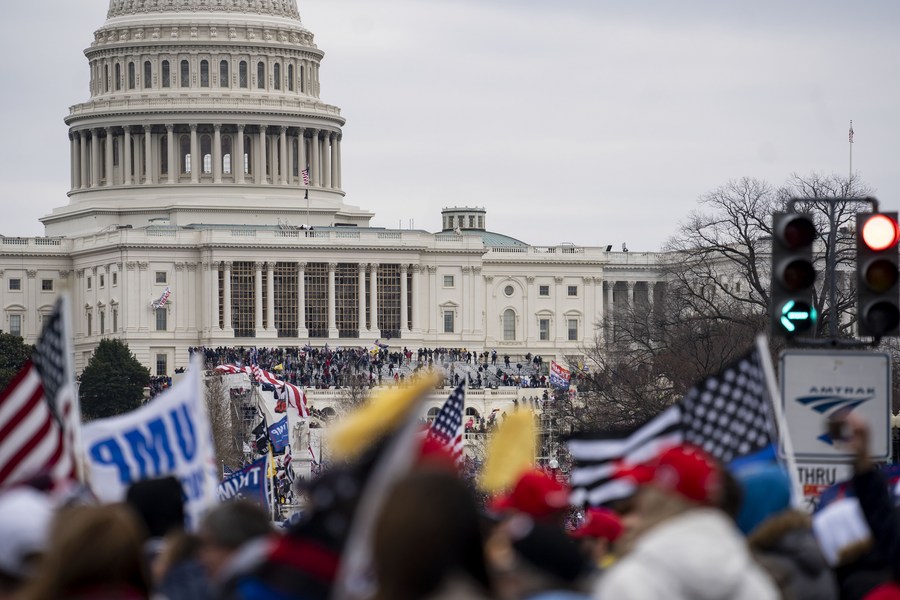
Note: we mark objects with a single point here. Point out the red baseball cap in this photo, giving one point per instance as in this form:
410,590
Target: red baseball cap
536,494
600,524
686,470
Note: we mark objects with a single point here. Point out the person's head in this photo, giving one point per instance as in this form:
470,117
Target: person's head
428,531
767,492
92,548
226,528
159,503
537,495
25,518
600,530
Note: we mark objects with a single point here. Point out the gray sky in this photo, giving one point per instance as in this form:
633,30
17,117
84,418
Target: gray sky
583,121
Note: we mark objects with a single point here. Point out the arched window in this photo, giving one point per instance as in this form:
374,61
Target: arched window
206,153
261,75
290,78
106,78
433,413
148,74
242,74
118,77
223,74
226,154
276,74
185,74
204,73
302,79
248,162
166,74
185,146
163,155
509,325
131,76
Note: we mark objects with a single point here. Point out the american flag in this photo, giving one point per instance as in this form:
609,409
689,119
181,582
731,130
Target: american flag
726,414
38,410
851,132
447,428
305,174
163,299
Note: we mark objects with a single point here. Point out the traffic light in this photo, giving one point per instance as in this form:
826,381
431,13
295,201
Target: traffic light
877,295
793,274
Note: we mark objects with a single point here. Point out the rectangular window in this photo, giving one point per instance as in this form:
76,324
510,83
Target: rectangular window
161,277
44,320
572,291
115,317
115,278
89,281
573,330
15,284
102,280
161,319
544,291
448,281
448,321
162,366
544,326
166,77
15,324
102,322
90,324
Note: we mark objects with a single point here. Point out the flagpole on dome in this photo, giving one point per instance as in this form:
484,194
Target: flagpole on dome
850,138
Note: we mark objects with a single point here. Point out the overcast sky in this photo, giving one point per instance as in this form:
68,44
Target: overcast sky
577,121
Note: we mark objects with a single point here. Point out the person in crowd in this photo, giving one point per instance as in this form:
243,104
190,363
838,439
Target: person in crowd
538,495
428,542
597,535
94,553
25,518
536,561
225,531
781,537
677,544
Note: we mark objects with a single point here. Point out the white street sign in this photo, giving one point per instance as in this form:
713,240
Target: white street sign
817,384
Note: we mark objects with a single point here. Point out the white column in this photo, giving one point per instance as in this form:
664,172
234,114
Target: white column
314,158
416,292
213,297
95,158
226,293
127,161
301,301
109,157
84,177
362,298
610,309
338,184
373,301
257,304
237,161
332,296
465,291
283,164
196,160
334,161
173,160
261,159
560,329
76,160
301,147
149,175
270,296
404,304
326,159
631,294
289,177
217,153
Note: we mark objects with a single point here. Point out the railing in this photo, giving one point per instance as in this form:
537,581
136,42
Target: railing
390,334
347,235
389,235
15,241
161,232
243,233
287,234
47,242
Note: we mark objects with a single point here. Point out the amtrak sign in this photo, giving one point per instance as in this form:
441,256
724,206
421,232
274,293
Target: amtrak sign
820,384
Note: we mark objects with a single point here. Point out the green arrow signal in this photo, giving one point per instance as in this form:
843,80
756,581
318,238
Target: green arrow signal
796,316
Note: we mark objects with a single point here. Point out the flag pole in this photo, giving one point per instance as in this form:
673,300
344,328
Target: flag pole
850,137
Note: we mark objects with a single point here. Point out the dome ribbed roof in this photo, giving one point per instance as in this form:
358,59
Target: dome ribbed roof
278,8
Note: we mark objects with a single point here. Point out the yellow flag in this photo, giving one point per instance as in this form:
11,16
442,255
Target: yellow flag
380,415
509,453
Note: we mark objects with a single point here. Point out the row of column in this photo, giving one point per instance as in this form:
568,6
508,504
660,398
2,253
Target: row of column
371,326
273,157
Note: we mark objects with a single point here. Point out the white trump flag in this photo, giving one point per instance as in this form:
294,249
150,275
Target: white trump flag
170,435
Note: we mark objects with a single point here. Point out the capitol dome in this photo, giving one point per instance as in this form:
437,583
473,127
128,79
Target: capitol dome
204,112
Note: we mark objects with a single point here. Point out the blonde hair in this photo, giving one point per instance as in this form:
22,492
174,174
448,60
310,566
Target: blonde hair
91,548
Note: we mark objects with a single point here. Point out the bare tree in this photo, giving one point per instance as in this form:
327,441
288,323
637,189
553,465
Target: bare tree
225,422
356,390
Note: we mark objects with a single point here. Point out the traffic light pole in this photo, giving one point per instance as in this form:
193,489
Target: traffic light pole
831,269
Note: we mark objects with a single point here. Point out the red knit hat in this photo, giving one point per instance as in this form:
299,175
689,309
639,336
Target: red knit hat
686,470
535,494
600,524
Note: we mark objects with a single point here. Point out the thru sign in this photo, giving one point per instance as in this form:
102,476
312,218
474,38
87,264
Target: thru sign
818,384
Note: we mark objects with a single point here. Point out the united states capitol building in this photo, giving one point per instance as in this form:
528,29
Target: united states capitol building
187,174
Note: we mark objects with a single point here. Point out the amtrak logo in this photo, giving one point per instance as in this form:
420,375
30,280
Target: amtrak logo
829,401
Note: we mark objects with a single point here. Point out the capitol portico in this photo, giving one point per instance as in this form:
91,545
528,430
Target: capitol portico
188,166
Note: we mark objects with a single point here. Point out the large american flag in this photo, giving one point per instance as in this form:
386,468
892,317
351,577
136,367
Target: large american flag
447,428
305,174
38,410
726,414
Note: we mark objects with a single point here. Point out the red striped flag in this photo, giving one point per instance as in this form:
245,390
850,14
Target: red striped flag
447,428
38,411
305,174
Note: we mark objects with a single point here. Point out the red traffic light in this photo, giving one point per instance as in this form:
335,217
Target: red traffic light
880,232
796,231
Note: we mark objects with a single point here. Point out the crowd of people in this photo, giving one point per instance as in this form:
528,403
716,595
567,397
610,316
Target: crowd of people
325,367
692,530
